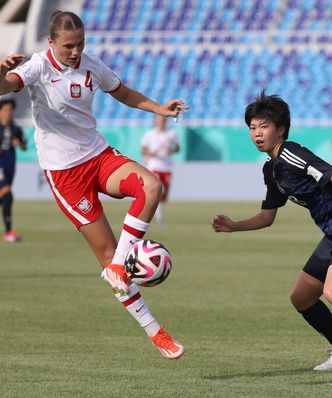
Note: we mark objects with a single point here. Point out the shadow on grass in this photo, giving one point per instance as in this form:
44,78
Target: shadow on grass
319,383
272,373
47,276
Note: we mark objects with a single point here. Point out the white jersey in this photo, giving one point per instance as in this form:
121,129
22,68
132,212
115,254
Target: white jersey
160,142
62,96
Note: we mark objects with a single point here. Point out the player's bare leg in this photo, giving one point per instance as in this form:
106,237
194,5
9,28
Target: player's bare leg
327,291
101,239
137,182
134,180
132,177
3,190
305,298
306,291
6,200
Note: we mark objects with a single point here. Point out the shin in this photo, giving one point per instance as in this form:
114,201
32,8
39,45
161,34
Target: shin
136,223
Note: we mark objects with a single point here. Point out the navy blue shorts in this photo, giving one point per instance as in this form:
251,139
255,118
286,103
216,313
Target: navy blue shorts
6,176
320,260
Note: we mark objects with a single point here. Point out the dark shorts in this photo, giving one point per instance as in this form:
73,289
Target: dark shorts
320,260
6,176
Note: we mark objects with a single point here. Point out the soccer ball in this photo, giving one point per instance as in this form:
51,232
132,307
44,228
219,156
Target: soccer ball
148,263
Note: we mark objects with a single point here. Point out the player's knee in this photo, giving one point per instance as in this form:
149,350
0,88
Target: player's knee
132,185
5,190
152,187
145,191
296,300
293,299
8,196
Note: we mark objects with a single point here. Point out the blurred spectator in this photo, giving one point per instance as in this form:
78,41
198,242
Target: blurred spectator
11,137
158,144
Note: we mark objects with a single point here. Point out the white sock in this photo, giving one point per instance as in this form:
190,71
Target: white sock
135,305
135,231
152,328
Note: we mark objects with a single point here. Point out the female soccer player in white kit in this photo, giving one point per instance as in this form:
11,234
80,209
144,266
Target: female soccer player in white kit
78,162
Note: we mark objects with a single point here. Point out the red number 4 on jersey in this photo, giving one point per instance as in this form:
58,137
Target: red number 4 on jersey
88,81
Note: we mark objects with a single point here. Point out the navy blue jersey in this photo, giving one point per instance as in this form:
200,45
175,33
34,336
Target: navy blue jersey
299,175
7,150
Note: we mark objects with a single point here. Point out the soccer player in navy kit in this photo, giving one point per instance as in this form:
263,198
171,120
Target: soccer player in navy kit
11,137
295,173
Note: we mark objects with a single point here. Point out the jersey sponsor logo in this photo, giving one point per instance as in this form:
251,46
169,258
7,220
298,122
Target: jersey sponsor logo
316,174
84,205
55,80
75,90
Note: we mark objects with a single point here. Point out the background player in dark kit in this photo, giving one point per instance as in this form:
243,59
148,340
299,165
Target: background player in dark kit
11,137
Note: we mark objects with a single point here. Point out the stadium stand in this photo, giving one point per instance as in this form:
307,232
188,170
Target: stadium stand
215,54
11,26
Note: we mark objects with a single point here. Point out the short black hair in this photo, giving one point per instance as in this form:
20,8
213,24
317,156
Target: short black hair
8,102
270,107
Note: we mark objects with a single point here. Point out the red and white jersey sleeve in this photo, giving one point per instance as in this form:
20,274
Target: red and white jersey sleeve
160,142
61,97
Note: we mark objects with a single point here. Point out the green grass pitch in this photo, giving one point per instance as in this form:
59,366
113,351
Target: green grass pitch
62,334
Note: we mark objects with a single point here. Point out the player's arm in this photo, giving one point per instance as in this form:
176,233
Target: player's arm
138,100
146,152
9,82
20,141
263,219
17,143
175,148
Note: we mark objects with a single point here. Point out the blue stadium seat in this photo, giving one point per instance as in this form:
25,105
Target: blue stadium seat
227,66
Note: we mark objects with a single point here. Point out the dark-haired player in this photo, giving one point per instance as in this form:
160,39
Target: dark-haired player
11,137
295,173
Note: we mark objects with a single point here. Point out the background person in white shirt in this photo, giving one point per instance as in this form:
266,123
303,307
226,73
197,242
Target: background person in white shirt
158,144
79,163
